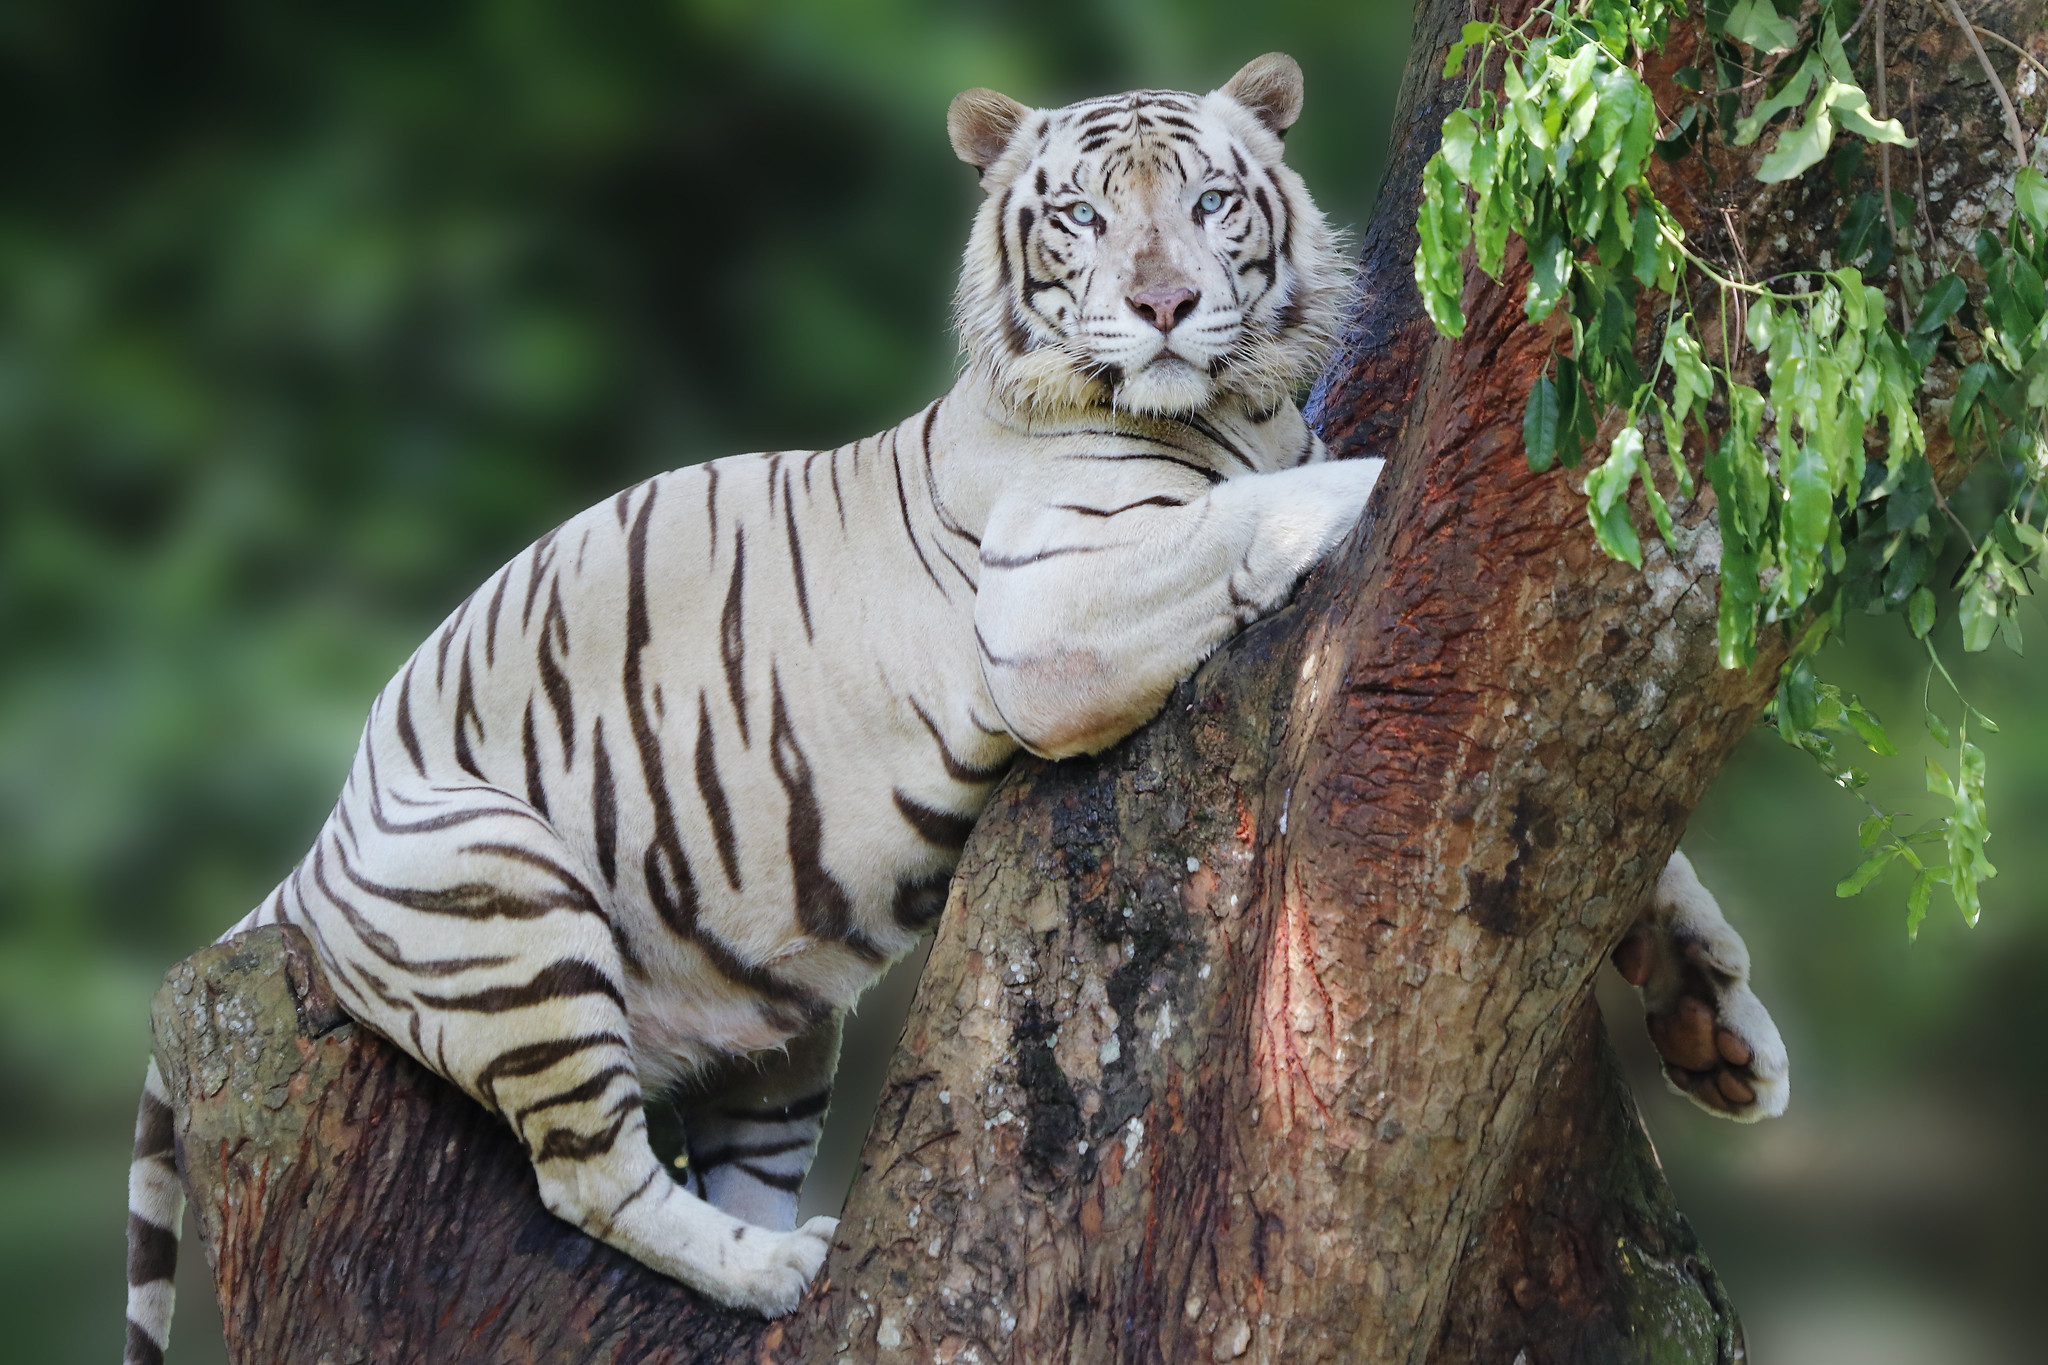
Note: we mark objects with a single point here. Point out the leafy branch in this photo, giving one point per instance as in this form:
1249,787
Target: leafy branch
1802,389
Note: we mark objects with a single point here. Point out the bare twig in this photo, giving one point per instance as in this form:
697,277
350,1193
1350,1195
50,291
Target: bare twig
2012,115
1884,150
2029,58
1920,165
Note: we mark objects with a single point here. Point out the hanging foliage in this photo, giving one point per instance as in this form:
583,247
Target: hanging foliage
1825,499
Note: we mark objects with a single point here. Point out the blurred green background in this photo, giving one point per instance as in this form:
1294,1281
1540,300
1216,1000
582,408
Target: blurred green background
311,314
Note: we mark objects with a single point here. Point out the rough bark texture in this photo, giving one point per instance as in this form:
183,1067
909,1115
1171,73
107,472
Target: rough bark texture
1265,1036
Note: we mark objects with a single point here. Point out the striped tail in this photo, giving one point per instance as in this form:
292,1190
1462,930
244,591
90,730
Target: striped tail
156,1207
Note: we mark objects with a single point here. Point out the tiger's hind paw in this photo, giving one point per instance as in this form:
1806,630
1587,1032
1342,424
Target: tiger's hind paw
1718,1044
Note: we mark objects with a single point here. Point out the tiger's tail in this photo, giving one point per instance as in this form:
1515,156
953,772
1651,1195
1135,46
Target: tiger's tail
156,1207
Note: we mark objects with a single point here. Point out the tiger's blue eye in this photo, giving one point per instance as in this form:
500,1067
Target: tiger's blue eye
1084,214
1212,201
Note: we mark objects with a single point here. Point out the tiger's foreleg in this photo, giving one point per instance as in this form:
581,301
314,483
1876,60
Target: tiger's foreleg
752,1126
1092,609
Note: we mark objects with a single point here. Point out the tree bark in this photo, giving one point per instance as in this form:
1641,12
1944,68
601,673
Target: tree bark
1265,1036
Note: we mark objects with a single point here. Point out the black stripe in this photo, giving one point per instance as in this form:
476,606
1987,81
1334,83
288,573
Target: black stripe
576,1094
554,637
561,980
804,1107
1202,426
920,900
1162,500
903,504
1211,475
140,1350
960,772
152,1251
788,1184
543,558
837,500
713,792
491,618
943,828
563,1144
796,556
604,807
670,883
465,711
1039,556
479,900
732,640
376,940
823,908
406,734
638,1190
711,507
534,1058
536,791
738,1151
154,1133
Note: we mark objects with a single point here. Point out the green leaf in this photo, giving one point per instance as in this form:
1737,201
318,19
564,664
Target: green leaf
1851,107
1607,497
1461,133
1758,24
1939,731
1916,901
1967,390
1804,146
1869,730
1791,95
1867,873
1920,613
2030,188
1644,247
1940,304
1873,829
1979,614
1539,424
1475,33
1551,272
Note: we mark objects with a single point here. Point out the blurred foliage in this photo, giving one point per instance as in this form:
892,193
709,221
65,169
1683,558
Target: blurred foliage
312,314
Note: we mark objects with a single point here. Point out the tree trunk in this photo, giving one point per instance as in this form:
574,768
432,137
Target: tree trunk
1266,1035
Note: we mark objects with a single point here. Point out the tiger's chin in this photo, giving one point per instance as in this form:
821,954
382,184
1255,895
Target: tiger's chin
1168,387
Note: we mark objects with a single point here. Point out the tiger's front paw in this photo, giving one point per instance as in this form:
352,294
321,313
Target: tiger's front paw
1719,1047
787,1263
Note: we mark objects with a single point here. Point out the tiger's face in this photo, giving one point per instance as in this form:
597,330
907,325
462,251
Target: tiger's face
1149,252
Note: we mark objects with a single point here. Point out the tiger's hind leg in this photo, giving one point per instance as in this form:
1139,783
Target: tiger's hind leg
476,945
1719,1046
752,1126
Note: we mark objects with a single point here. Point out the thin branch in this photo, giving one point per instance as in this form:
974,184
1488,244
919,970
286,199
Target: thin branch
1884,150
2029,58
2012,115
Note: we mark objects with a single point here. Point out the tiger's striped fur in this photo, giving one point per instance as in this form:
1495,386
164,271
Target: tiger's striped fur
677,783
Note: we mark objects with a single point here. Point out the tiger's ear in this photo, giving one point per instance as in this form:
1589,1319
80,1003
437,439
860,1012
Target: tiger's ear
1270,87
980,123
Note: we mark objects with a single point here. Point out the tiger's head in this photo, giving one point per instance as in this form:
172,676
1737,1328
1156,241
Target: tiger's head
1149,252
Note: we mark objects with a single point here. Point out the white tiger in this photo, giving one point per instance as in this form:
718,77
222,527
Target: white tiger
683,778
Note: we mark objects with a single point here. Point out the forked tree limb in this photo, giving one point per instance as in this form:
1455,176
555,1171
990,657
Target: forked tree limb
1264,1036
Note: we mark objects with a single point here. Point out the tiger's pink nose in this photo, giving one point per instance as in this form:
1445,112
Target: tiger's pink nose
1165,309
